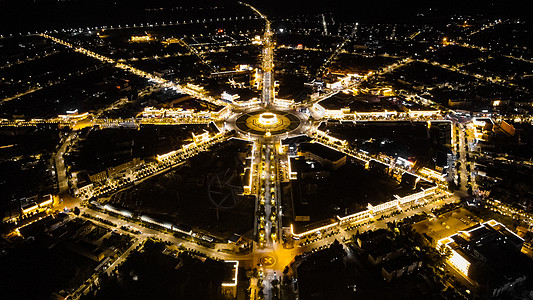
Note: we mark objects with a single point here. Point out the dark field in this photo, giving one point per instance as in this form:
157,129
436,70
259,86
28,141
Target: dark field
191,194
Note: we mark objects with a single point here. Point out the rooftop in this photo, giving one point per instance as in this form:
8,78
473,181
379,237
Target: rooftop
359,103
322,151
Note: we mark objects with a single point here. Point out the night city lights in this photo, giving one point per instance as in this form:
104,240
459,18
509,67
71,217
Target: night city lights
266,150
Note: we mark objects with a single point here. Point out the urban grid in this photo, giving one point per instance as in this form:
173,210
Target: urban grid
266,150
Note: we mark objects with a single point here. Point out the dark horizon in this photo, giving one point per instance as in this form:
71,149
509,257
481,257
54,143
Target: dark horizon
39,15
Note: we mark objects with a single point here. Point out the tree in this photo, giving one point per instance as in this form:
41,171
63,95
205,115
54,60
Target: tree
391,225
76,211
452,186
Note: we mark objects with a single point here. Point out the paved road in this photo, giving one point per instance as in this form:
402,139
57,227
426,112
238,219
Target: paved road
147,233
124,256
60,164
347,234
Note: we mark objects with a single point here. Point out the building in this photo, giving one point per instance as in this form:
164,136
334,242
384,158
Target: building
230,281
125,166
235,239
111,171
227,97
388,254
488,254
327,157
87,249
152,112
403,265
379,246
84,191
527,249
35,204
309,167
302,168
97,177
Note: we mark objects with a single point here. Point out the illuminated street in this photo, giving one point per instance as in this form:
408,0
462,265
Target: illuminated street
270,151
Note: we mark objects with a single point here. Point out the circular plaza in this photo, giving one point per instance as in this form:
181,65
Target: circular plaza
268,122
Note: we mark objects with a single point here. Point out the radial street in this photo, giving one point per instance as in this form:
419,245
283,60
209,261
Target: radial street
265,124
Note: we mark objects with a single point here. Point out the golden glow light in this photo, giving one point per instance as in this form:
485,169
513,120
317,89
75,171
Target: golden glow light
267,119
459,262
456,259
234,280
141,38
312,230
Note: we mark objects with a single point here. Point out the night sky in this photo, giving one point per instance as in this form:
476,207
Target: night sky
35,15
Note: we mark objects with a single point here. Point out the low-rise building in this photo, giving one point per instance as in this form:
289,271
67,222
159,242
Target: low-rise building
489,254
403,265
380,247
388,254
325,156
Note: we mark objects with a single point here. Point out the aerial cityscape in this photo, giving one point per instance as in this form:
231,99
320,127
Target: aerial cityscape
256,150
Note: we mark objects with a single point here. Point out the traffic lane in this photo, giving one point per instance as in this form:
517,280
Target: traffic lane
376,225
147,232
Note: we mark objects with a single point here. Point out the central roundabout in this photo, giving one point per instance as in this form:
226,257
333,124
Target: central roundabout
234,166
269,122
